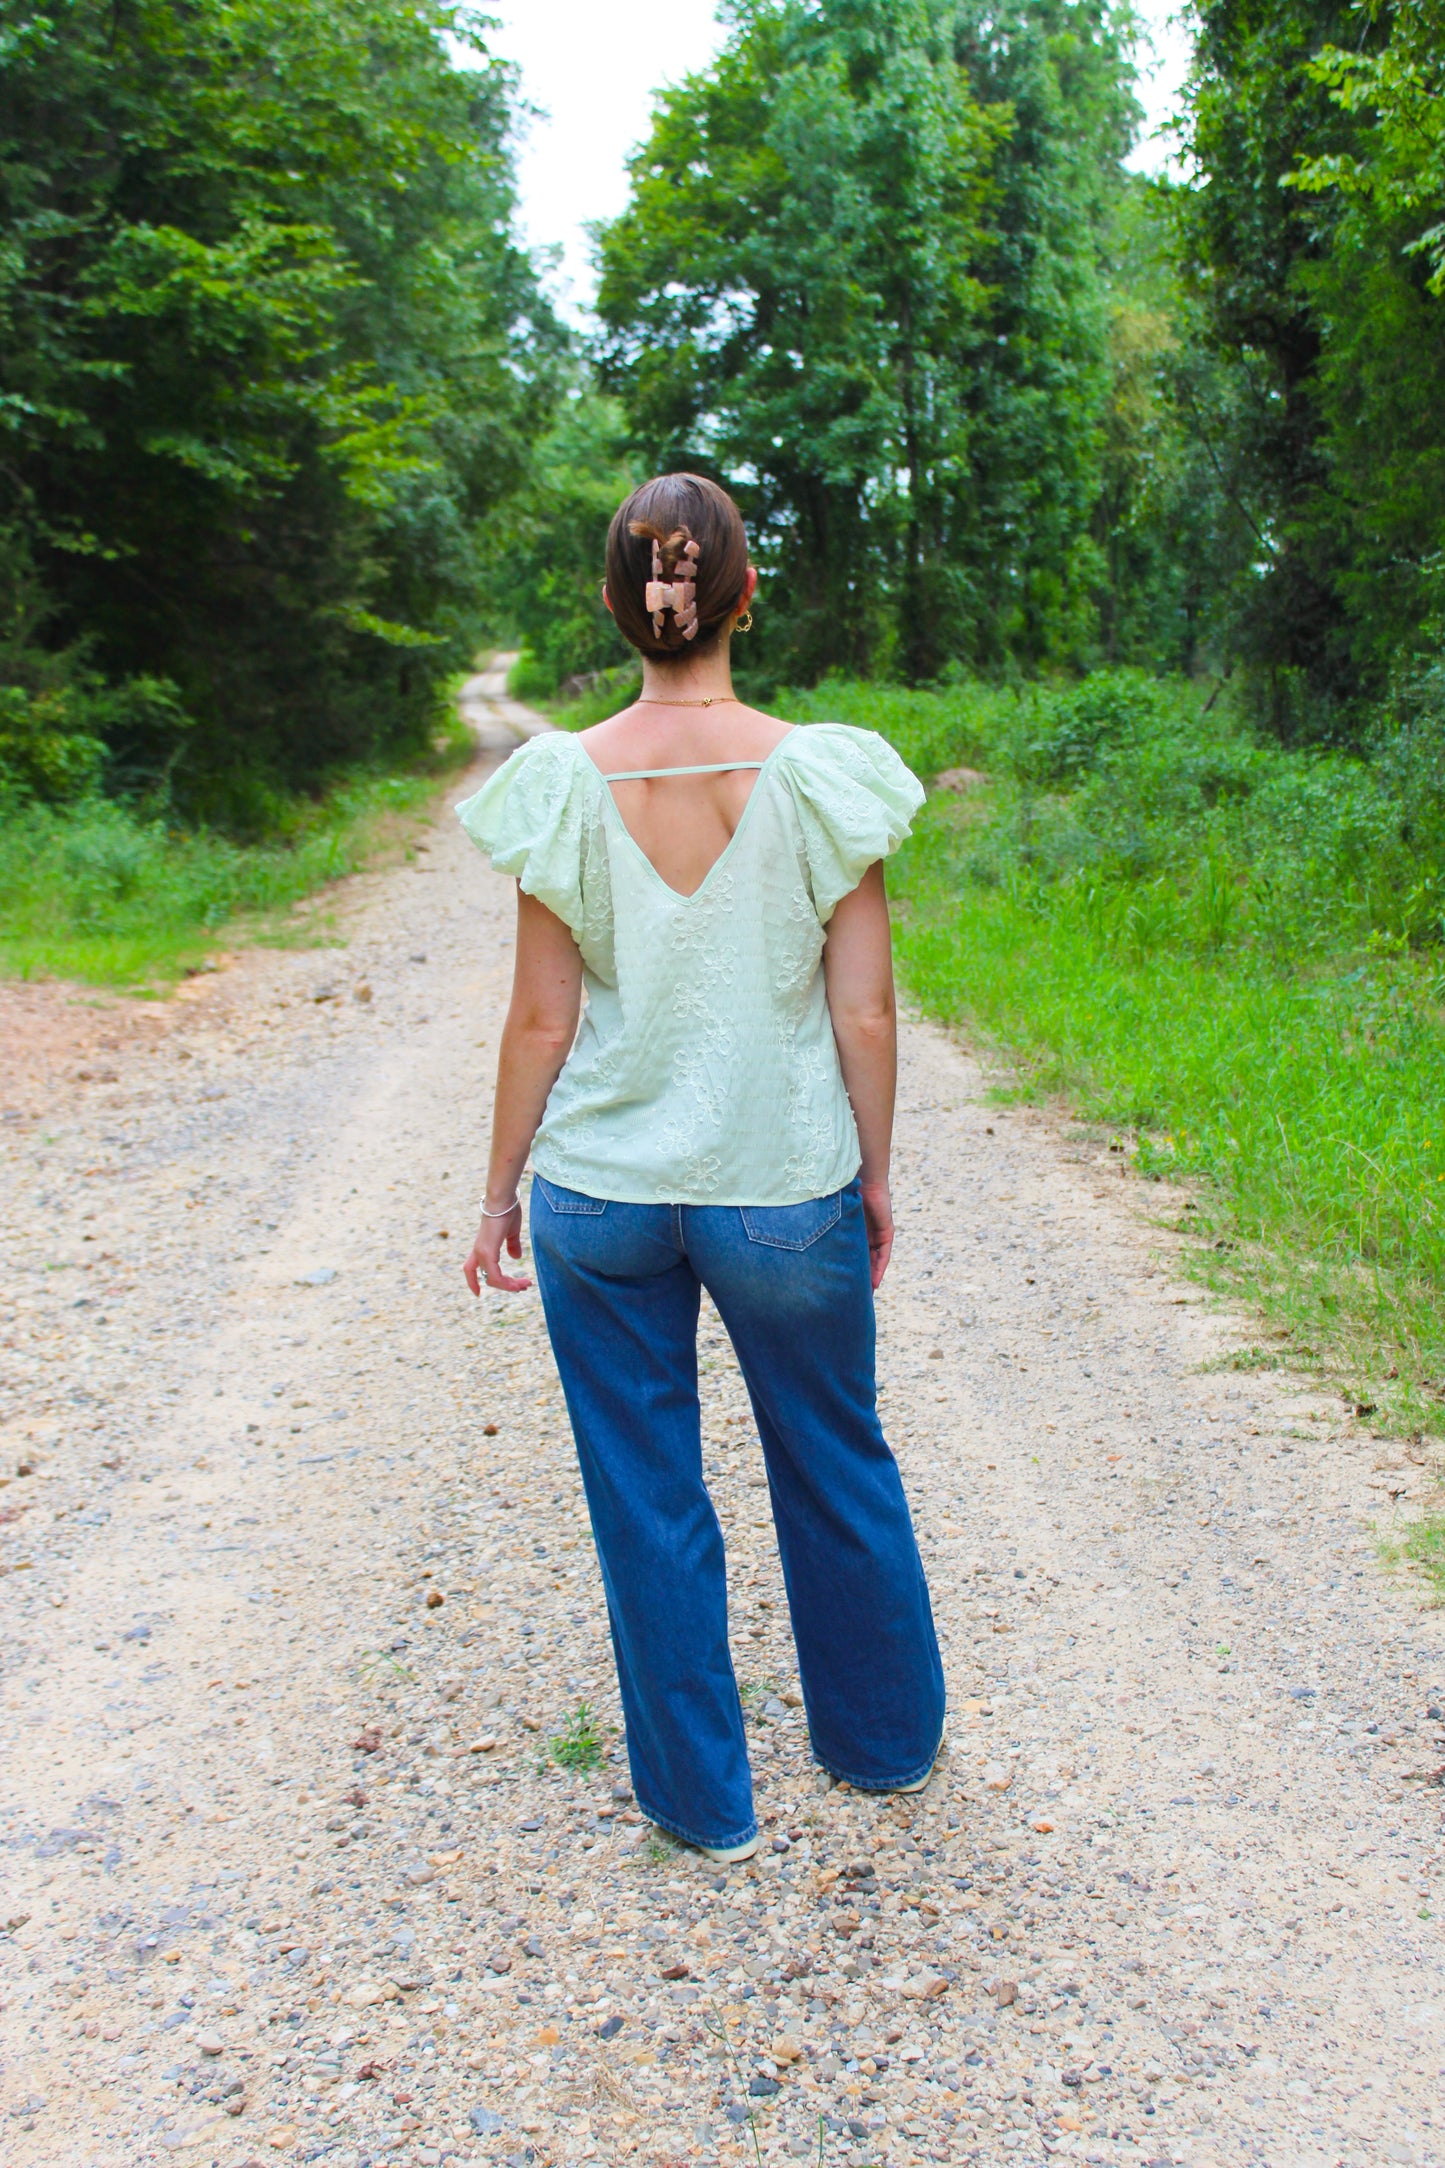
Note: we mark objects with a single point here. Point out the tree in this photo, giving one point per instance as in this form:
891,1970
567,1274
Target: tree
837,282
781,295
1042,371
546,546
1380,291
1398,90
1172,520
1306,240
268,354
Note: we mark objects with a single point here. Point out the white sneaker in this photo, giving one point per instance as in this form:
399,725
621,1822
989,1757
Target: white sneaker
728,1852
923,1782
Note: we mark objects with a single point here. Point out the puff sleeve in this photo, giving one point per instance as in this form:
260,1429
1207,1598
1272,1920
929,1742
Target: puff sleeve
531,819
855,802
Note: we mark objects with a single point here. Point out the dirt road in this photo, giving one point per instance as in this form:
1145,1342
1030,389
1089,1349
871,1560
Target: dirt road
299,1597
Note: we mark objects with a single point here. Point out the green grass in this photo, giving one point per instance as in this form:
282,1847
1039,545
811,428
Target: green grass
609,691
579,1745
94,892
1228,956
1422,1548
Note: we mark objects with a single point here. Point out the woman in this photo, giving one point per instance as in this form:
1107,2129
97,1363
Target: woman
721,1119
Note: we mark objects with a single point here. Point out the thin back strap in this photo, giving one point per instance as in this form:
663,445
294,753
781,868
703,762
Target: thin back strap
648,775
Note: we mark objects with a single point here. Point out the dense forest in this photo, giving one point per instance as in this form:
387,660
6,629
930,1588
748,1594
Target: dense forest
290,424
270,360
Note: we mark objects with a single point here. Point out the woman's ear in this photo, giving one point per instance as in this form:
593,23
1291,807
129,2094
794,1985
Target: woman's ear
608,599
750,588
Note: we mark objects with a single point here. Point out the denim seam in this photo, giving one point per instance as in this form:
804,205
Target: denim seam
872,1784
716,1844
771,1242
586,1208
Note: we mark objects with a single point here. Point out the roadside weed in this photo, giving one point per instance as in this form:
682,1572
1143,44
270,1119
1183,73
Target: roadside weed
104,894
578,1745
1421,1546
378,1664
718,2027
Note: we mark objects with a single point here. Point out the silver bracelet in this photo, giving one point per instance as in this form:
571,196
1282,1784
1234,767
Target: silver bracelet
506,1211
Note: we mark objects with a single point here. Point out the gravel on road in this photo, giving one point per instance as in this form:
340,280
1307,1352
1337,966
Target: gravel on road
318,1841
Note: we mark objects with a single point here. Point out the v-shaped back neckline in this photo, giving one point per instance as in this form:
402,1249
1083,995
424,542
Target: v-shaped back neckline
605,782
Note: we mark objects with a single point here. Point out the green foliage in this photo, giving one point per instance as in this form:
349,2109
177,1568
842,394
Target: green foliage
547,545
45,753
1398,90
530,678
1310,235
58,717
579,1745
1378,293
1235,951
99,892
931,730
1421,1546
600,694
861,272
267,356
1170,523
1024,515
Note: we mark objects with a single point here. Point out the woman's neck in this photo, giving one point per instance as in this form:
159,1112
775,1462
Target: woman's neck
691,679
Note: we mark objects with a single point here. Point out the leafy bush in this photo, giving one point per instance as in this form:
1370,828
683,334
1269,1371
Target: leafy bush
932,730
607,692
530,678
95,890
1066,733
59,745
42,753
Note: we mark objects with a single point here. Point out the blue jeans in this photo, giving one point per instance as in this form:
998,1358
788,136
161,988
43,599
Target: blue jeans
621,1285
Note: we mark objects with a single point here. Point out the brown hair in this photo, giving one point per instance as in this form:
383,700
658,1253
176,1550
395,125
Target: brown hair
671,511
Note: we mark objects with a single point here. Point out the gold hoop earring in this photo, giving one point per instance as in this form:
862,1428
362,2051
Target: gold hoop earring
745,622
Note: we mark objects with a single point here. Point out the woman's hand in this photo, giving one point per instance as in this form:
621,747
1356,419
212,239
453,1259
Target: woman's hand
484,1261
878,1219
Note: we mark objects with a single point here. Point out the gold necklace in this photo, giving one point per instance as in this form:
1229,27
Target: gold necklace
712,700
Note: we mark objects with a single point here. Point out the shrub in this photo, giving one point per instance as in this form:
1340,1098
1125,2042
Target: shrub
42,752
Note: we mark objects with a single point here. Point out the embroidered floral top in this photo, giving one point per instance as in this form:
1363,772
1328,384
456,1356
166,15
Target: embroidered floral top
705,1069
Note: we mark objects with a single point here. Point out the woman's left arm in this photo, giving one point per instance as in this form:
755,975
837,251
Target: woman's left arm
536,1040
858,973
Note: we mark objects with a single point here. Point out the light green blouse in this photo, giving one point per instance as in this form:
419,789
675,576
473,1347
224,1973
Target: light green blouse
705,1070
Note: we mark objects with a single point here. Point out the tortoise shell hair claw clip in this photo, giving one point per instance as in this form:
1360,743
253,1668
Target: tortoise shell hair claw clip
678,594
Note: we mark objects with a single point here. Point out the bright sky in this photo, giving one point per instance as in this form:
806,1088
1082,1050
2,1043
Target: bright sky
1161,82
591,68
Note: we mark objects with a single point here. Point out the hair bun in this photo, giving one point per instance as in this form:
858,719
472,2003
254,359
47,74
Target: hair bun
677,564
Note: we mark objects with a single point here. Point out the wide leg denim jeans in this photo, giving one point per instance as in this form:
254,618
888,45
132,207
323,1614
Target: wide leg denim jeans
621,1285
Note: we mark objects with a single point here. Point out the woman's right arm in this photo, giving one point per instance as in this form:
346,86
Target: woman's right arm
858,973
536,1040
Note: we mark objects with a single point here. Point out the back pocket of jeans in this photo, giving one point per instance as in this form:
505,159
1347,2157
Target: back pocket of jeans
792,1226
570,1200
